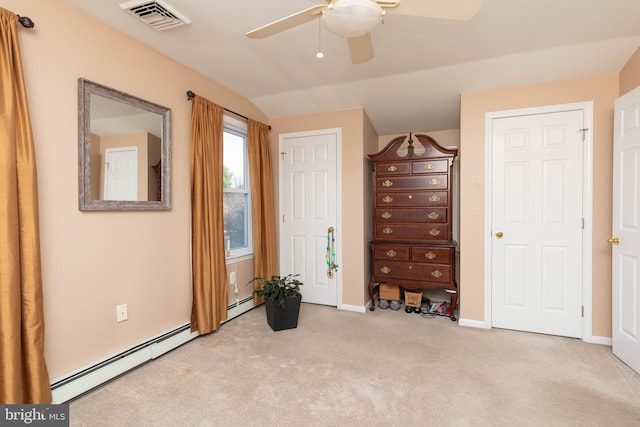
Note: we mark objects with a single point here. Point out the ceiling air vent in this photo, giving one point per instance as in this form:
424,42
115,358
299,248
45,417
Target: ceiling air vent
157,14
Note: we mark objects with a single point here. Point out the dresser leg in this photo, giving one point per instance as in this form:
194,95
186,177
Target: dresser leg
454,303
372,286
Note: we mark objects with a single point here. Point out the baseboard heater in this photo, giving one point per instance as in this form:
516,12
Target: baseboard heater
239,307
89,377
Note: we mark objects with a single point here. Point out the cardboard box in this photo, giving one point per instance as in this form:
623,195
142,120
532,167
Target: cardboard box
412,298
390,292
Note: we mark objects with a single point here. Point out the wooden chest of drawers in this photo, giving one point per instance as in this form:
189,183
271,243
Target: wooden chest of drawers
412,242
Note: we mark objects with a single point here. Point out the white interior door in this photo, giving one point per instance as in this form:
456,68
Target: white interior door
309,190
537,225
626,230
121,173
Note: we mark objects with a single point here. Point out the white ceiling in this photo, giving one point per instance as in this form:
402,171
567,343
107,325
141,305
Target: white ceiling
421,65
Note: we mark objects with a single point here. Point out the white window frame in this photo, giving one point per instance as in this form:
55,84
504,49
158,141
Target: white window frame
232,125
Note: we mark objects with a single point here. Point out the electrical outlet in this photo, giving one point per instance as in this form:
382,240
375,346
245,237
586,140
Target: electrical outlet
121,312
232,277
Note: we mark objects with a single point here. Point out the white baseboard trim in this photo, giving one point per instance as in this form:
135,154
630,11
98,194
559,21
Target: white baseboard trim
88,377
474,323
598,340
239,309
483,325
356,308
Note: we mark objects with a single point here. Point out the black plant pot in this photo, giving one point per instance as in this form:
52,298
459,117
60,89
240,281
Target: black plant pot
286,317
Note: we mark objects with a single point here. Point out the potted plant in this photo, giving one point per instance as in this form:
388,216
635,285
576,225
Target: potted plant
282,299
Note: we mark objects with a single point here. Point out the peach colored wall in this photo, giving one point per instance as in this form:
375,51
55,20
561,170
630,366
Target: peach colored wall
630,73
353,236
602,91
92,261
370,146
244,274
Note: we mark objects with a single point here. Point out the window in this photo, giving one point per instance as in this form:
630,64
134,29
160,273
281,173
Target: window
236,185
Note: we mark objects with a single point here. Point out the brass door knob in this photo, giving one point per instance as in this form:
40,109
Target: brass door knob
613,240
499,234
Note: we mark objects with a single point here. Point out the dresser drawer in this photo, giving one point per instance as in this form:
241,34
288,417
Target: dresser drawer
432,255
427,182
395,231
412,199
388,270
429,166
391,252
411,215
396,168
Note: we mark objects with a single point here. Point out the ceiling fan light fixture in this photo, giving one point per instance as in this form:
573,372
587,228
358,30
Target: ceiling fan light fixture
352,18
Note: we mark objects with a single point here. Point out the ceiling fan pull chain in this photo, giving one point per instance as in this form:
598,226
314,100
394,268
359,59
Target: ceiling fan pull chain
319,55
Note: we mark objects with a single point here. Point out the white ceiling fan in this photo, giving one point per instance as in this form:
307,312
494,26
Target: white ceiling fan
354,19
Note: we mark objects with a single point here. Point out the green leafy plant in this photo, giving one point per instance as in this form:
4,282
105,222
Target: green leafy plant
278,288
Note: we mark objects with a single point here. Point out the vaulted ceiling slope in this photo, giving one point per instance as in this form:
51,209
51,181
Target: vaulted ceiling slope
421,65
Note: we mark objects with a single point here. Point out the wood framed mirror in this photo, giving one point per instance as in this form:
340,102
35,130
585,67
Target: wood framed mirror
124,148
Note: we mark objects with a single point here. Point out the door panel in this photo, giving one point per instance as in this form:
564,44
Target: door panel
121,173
626,227
308,180
537,206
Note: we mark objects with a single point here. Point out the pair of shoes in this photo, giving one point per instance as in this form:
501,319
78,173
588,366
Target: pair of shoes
383,304
395,305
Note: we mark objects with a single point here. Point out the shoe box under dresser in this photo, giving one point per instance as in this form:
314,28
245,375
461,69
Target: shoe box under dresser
412,243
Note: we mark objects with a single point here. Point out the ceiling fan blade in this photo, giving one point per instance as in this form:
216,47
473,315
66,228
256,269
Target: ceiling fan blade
360,48
287,22
461,10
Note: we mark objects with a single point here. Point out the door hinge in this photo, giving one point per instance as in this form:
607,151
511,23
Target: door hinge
283,154
583,223
283,219
583,311
584,133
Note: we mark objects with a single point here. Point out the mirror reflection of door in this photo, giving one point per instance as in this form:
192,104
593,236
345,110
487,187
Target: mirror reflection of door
116,127
121,173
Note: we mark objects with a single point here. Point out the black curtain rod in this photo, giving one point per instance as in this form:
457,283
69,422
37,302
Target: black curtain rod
191,95
25,21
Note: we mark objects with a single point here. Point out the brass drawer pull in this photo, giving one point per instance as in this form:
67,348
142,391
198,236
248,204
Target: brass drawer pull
428,166
387,230
410,196
386,215
387,183
385,270
434,181
392,168
433,215
387,199
434,232
436,273
430,255
434,198
391,253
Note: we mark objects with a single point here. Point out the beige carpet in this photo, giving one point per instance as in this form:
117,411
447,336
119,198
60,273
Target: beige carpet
382,368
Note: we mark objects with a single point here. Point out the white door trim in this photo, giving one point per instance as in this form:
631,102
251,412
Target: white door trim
587,199
281,206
